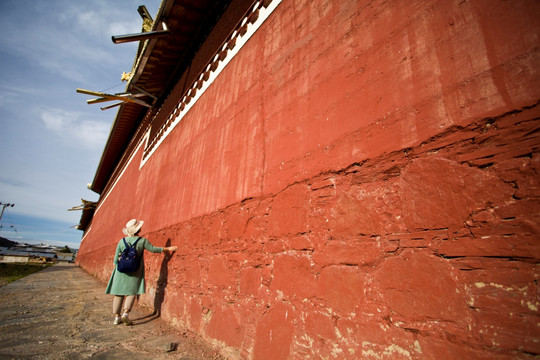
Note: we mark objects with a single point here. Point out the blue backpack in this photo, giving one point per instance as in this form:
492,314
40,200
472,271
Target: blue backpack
128,261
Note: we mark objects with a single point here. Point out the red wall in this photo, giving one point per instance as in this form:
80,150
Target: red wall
361,181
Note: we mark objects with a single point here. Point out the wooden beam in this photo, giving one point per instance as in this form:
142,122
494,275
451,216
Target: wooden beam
104,97
111,106
94,93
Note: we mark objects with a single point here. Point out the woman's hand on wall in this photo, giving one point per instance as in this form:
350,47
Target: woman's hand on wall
170,249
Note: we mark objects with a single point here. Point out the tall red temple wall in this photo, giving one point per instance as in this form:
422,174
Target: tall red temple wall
361,181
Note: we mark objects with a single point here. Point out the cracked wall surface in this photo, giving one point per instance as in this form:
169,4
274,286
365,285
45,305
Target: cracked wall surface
358,183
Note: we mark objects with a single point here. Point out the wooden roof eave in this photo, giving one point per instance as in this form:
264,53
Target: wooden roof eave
145,77
164,8
108,161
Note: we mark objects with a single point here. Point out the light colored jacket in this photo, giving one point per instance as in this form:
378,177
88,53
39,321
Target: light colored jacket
130,284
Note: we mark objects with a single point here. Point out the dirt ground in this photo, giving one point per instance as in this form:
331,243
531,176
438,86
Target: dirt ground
62,312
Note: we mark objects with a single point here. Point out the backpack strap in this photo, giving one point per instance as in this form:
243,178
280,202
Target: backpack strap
134,246
135,243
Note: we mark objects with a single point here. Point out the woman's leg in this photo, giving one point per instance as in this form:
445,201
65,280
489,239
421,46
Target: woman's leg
127,308
129,303
117,304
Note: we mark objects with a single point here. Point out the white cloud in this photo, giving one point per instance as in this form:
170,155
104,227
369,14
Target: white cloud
106,26
123,28
51,139
69,125
76,43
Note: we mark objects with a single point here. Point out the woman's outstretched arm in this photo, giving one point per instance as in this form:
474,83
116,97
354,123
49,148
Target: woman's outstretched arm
170,249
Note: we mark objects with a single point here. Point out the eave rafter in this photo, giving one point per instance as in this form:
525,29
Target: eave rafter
123,97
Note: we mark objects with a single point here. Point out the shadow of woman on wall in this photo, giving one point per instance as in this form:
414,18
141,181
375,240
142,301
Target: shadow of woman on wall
160,289
162,281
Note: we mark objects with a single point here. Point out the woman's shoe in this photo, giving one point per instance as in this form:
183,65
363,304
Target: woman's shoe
126,320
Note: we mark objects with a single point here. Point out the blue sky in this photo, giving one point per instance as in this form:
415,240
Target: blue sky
51,141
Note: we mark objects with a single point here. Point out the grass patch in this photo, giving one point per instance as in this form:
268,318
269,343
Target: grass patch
12,272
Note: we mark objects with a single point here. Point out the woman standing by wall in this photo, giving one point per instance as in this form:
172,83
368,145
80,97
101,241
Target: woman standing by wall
125,286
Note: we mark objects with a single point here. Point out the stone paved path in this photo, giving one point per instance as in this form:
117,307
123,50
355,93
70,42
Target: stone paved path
62,313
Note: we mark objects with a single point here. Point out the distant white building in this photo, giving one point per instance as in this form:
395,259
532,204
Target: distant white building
14,259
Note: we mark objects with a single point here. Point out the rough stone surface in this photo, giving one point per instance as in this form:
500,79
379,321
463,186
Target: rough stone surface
355,184
61,312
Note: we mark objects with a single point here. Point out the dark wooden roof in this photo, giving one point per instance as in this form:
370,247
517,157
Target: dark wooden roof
158,66
86,218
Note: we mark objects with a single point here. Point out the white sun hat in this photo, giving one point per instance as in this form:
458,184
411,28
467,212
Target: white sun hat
132,227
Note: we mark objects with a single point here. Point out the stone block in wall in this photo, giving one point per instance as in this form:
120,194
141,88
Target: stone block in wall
289,212
274,333
191,272
366,209
420,288
495,246
440,193
441,349
225,326
504,301
375,336
258,219
341,288
293,275
236,222
220,273
250,280
321,327
359,252
525,214
195,313
300,242
506,330
215,230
